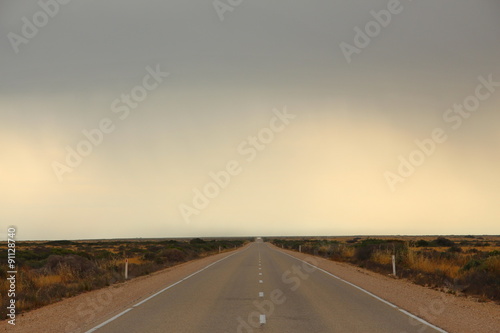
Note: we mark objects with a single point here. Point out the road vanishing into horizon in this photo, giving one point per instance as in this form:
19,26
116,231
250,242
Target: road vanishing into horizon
262,289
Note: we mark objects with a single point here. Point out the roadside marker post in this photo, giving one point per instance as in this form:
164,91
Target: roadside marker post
394,265
126,269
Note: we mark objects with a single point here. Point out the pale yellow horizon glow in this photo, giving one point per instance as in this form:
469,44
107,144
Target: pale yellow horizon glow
322,175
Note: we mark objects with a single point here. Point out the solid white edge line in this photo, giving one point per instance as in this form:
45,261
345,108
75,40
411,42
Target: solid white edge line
156,294
108,321
369,293
159,292
349,283
422,320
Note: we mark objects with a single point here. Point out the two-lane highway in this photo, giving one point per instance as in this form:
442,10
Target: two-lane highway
257,289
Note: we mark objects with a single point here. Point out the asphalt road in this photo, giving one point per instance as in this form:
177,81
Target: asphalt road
261,289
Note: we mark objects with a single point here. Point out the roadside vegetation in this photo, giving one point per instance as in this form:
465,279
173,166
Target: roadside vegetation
51,271
468,265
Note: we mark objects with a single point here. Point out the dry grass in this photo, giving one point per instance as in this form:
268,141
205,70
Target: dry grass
42,281
493,263
135,260
348,251
449,268
383,257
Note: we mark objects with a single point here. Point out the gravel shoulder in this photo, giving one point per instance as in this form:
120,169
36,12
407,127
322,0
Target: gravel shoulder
452,313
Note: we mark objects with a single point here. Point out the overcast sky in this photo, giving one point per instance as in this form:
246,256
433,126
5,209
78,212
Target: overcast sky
329,164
